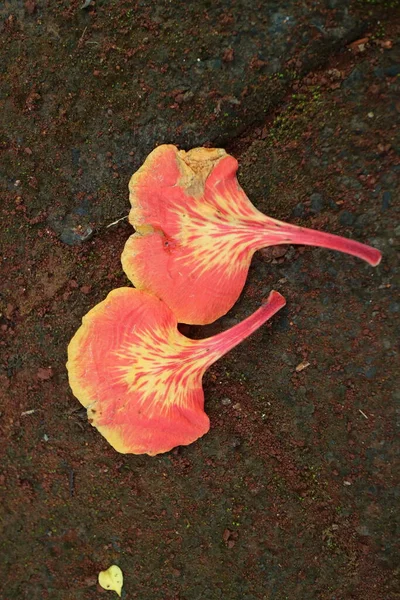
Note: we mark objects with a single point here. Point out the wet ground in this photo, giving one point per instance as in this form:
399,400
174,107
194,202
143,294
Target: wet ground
294,492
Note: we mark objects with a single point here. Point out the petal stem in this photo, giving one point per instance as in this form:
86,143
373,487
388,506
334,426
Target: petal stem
218,345
277,232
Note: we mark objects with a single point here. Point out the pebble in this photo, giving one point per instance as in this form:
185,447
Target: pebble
353,79
73,236
76,155
362,221
386,200
370,373
299,210
317,203
44,373
346,218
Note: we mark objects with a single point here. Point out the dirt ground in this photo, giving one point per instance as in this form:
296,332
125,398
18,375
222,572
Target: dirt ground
294,492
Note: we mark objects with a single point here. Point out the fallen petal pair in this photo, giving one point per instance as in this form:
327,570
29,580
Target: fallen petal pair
139,378
196,232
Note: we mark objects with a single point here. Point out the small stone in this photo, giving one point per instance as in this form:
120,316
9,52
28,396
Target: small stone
370,373
346,218
362,221
187,96
274,252
73,235
317,203
44,373
226,401
386,200
298,210
355,77
85,289
332,204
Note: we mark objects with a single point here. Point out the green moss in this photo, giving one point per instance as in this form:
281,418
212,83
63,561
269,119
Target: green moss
293,119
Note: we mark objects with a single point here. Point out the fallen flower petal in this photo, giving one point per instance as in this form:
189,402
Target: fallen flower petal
196,232
139,378
301,366
112,579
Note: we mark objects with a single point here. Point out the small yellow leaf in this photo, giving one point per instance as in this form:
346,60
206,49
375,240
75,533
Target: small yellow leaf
112,579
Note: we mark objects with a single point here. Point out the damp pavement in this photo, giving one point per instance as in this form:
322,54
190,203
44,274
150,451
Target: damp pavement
294,492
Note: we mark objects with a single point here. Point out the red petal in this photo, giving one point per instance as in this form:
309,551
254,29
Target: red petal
123,367
197,232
